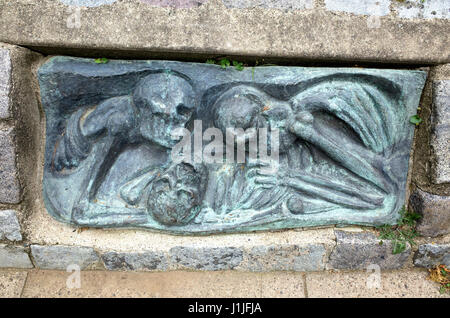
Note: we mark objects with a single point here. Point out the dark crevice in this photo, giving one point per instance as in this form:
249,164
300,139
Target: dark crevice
249,61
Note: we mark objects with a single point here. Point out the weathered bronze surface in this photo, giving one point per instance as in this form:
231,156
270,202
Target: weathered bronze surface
344,143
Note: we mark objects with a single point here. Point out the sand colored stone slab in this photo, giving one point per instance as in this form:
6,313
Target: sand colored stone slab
170,284
402,284
396,284
11,283
282,285
214,29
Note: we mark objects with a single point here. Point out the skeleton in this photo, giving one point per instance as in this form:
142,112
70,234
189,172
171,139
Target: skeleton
312,129
159,104
315,173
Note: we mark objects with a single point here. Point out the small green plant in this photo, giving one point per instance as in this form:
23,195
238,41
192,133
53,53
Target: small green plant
402,233
101,60
224,63
238,65
415,120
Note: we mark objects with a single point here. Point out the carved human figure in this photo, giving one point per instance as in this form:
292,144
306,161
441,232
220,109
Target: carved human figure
328,157
329,117
311,135
159,104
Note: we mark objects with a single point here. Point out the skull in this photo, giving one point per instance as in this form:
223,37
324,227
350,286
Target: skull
165,102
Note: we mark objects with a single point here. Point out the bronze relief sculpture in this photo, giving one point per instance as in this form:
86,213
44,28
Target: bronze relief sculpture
342,145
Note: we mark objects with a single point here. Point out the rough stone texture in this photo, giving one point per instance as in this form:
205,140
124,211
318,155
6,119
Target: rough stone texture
213,259
440,125
275,4
9,226
87,3
367,7
12,283
44,229
168,284
14,257
20,147
429,9
160,3
285,258
398,284
422,169
211,29
5,83
403,283
9,183
410,9
144,261
435,211
60,257
175,3
430,255
282,285
357,250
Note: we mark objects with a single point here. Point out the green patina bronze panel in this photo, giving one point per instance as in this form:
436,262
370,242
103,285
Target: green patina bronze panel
151,144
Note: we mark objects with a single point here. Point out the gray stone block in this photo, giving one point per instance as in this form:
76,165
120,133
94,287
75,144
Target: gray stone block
318,35
430,9
430,255
285,258
357,250
214,259
143,261
271,4
440,126
14,257
9,184
5,83
435,211
441,87
9,226
60,257
367,7
88,3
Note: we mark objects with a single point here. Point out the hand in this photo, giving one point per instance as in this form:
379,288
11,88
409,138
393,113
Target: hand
266,174
72,147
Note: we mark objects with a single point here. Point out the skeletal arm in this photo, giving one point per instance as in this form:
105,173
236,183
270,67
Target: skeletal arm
114,116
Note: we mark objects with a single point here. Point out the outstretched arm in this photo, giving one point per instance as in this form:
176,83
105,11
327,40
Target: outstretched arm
113,116
340,147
